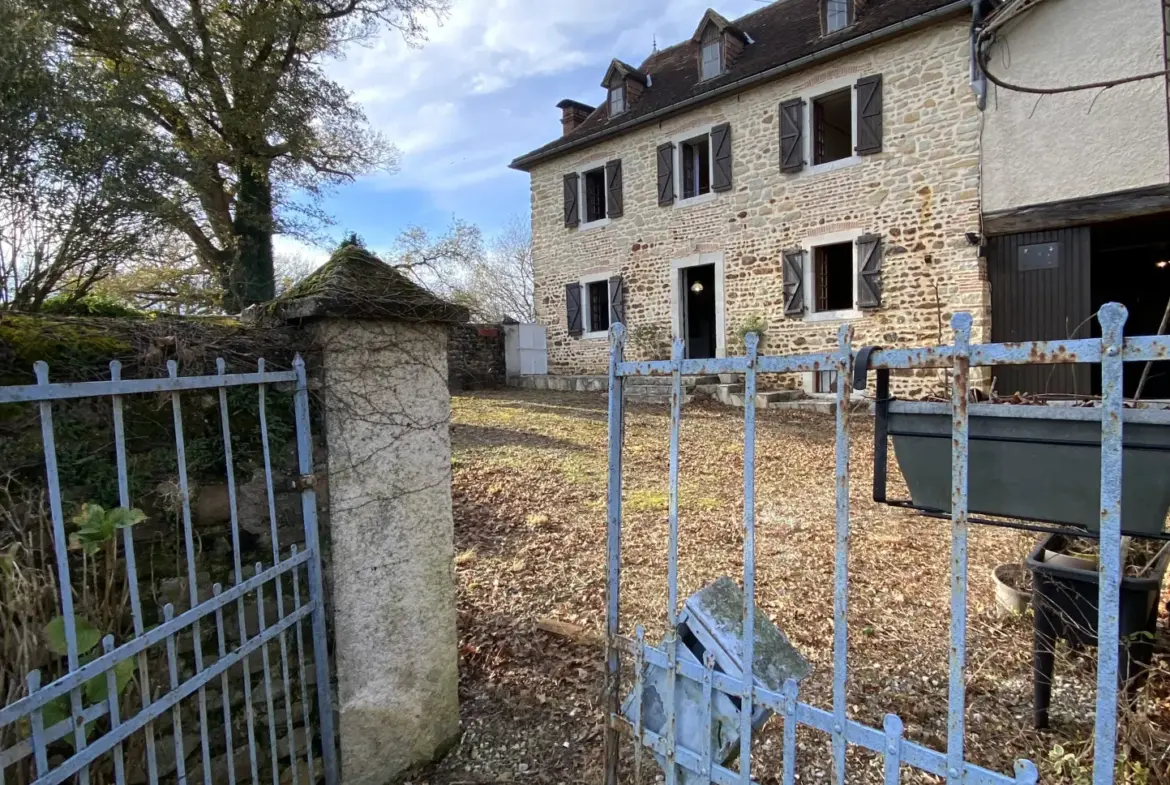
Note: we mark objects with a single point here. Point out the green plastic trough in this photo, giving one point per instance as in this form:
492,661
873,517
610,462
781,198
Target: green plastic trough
1044,468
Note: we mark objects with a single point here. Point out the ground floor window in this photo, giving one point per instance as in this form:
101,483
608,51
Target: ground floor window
826,382
833,277
597,311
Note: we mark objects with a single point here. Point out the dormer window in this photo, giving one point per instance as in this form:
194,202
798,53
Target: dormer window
719,43
838,15
617,100
712,63
624,84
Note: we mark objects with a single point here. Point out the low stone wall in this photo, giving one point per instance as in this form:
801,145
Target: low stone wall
475,357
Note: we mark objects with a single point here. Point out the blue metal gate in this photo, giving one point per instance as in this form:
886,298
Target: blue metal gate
95,732
1110,352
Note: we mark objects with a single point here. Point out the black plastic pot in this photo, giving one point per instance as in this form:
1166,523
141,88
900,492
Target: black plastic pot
1039,469
1065,603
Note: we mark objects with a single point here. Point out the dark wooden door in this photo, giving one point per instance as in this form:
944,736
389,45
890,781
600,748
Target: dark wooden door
1040,292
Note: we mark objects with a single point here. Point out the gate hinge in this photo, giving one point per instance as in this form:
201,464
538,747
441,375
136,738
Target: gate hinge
306,481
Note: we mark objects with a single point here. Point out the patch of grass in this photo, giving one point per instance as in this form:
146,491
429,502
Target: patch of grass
467,557
538,519
647,501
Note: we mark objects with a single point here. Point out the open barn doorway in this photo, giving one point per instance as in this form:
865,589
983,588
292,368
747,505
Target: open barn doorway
1131,265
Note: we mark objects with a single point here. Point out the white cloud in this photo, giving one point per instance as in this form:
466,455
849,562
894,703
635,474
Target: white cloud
479,93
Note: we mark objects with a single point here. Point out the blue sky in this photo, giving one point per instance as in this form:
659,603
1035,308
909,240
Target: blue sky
482,90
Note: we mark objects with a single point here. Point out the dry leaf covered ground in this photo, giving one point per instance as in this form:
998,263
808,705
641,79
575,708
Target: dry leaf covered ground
529,495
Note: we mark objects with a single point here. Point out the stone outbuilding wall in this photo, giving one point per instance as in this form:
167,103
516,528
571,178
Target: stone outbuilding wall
475,357
921,194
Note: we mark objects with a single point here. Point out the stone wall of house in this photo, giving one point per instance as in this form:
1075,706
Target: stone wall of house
921,193
475,357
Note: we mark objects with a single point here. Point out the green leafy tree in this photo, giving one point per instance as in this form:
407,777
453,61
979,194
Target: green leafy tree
74,186
236,95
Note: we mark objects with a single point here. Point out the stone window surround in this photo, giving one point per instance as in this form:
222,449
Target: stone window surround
587,333
583,208
677,140
810,94
810,244
699,260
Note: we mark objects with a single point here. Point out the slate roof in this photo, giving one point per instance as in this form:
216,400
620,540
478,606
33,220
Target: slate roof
785,32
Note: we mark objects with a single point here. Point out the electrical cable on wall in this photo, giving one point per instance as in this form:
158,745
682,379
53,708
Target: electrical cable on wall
1014,9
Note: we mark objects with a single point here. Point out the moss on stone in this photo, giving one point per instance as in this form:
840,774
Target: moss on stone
59,342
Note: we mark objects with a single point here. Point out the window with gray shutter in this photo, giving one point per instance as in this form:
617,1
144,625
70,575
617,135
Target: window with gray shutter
617,300
572,208
721,156
869,271
573,308
792,135
794,282
613,186
869,115
666,174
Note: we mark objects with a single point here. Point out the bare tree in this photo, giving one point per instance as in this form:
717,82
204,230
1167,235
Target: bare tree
502,280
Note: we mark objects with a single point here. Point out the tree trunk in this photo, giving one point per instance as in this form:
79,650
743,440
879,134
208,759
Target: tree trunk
252,278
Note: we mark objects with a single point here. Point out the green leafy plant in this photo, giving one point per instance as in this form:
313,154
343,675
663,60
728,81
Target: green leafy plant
752,323
96,526
96,689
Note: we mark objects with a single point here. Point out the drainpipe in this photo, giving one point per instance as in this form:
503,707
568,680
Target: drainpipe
978,78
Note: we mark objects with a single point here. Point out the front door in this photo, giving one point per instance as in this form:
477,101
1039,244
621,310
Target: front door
697,301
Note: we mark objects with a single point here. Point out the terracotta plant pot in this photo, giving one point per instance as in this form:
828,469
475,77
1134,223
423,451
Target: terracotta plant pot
1009,598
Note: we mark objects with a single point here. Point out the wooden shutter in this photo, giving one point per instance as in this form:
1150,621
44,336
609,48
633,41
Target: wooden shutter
721,155
794,282
792,135
869,271
573,308
572,207
666,174
617,300
869,115
613,187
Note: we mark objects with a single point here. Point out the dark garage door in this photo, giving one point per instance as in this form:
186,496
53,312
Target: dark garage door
1040,292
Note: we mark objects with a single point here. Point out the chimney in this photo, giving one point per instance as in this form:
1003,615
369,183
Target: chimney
573,113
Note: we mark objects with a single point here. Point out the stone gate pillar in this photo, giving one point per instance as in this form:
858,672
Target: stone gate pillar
383,343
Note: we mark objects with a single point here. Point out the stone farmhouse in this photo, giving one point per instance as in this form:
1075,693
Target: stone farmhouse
822,161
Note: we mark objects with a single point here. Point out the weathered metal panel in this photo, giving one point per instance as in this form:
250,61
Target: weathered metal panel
95,742
1034,298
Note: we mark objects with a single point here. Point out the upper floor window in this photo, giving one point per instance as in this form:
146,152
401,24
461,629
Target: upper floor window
695,155
712,62
838,15
617,100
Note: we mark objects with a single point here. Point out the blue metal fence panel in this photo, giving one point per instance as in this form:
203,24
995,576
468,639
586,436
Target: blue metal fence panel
1111,352
100,731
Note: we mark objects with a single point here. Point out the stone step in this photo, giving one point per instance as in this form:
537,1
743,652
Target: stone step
776,396
665,381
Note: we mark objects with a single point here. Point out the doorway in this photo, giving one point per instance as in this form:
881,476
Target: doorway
1131,266
699,323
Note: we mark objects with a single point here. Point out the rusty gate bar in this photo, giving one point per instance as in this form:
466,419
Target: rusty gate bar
617,338
747,666
1111,351
960,433
841,550
1112,319
109,744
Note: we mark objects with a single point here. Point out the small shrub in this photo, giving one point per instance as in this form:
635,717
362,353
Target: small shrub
752,323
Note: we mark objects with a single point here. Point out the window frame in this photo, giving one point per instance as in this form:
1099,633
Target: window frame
848,16
718,44
620,89
810,96
587,331
678,140
583,206
810,245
